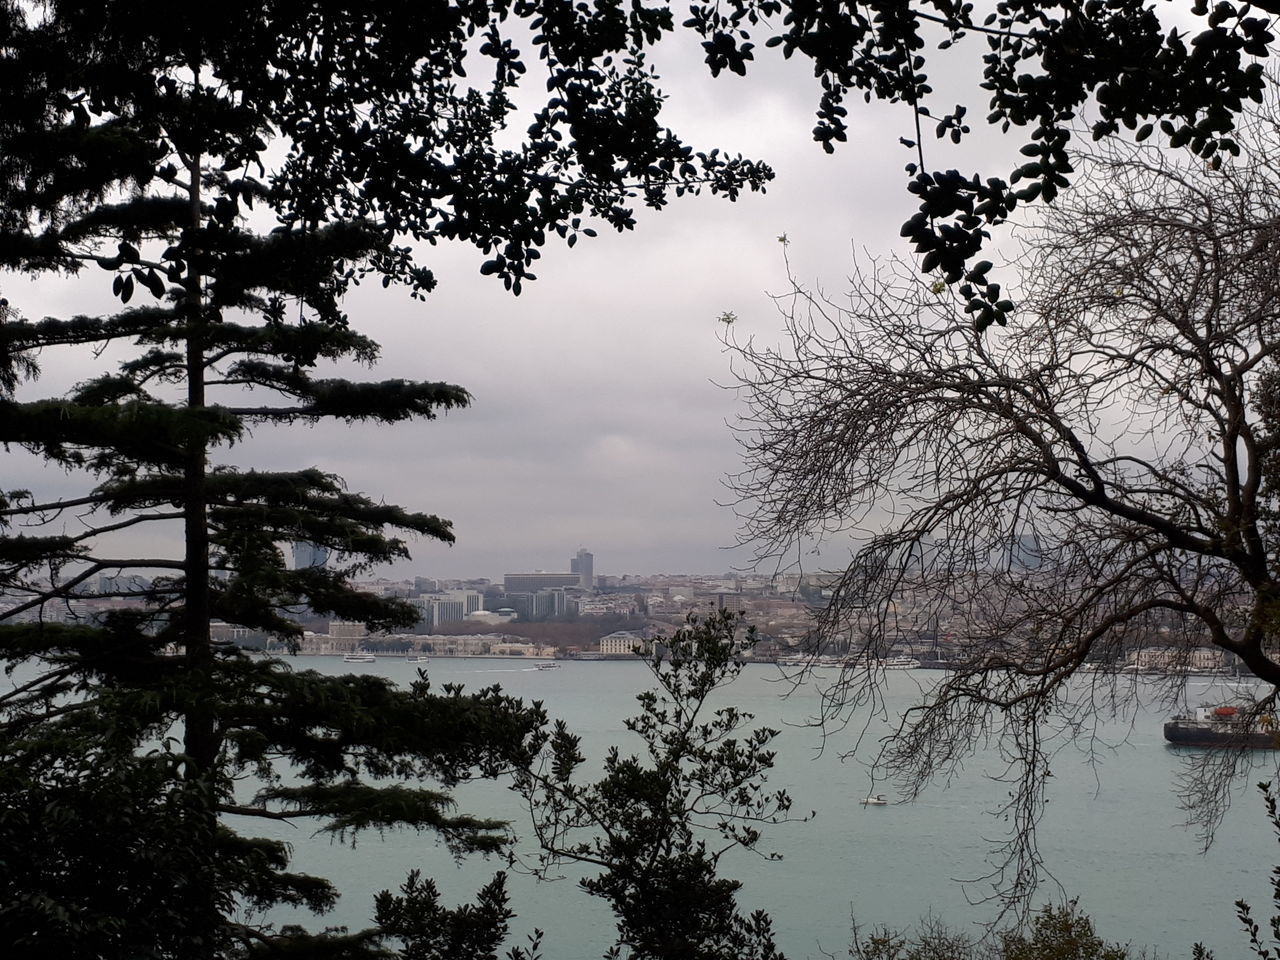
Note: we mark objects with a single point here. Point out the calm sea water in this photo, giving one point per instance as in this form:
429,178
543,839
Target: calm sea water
1112,835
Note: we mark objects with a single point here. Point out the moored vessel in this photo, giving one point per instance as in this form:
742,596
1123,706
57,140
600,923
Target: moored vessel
1222,726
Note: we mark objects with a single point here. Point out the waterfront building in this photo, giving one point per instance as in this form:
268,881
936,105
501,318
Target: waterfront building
220,632
1203,659
459,645
347,630
521,648
624,643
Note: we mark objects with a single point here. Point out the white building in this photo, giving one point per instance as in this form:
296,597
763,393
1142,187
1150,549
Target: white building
624,643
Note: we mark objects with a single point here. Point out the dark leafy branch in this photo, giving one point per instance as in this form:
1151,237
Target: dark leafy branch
657,825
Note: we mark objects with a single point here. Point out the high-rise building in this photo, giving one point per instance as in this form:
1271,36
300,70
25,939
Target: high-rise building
309,555
581,574
584,566
448,607
447,611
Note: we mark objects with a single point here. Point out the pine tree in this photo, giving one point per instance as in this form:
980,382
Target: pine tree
230,178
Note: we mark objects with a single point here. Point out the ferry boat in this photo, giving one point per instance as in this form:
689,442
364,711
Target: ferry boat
417,658
900,663
547,665
360,656
1221,726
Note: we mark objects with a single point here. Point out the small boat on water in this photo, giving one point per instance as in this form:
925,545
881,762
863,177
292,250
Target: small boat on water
360,656
1222,726
874,801
547,665
417,658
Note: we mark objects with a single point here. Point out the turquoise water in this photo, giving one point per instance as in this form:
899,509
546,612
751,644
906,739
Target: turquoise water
1112,834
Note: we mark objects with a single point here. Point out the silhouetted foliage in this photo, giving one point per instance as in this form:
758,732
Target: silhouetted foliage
1090,484
1053,933
233,174
1113,64
228,175
1258,943
656,825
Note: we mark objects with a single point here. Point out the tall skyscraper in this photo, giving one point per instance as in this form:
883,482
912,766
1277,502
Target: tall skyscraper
309,555
583,565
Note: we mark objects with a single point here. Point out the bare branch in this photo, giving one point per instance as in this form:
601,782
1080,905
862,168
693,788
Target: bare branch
1046,503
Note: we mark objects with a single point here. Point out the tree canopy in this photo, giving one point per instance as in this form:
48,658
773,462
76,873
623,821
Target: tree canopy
230,178
424,162
657,824
226,179
1107,66
1091,490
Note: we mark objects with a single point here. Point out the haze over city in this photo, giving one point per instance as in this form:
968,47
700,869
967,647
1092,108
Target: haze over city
596,414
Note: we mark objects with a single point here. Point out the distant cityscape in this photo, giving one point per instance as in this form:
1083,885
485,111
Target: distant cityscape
541,613
534,613
579,613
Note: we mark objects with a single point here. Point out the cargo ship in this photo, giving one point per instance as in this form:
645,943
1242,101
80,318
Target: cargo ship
1223,726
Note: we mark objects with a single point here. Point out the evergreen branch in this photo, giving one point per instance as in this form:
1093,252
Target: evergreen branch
28,551
140,564
53,676
389,401
62,590
148,432
148,593
263,813
155,216
25,721
54,507
124,524
141,322
355,807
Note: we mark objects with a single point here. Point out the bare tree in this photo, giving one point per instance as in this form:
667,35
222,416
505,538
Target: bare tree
1055,495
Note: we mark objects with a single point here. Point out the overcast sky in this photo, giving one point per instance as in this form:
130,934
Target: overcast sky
596,420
